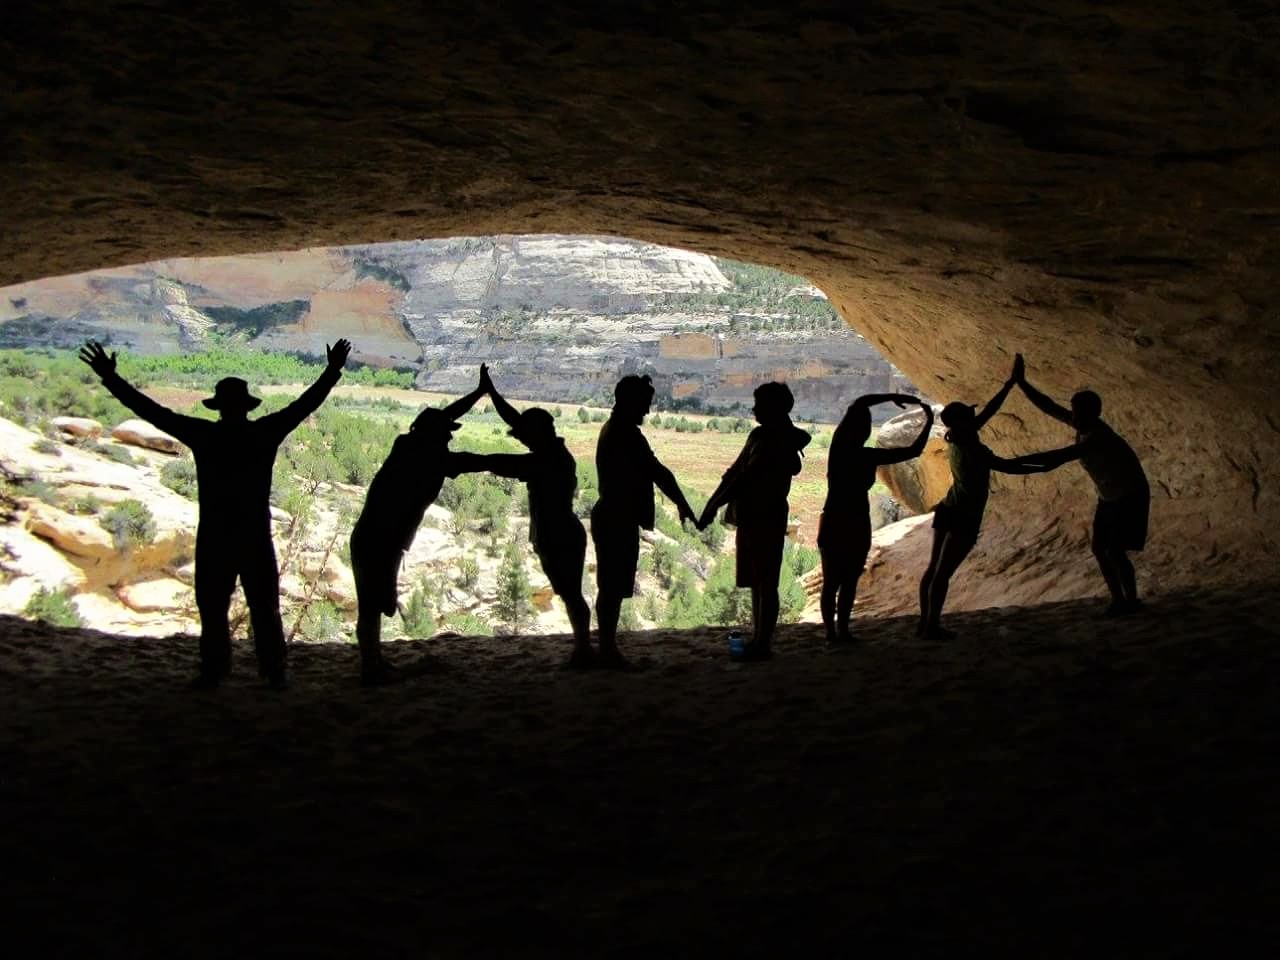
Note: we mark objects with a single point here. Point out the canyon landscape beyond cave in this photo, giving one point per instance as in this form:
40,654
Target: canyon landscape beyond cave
1094,187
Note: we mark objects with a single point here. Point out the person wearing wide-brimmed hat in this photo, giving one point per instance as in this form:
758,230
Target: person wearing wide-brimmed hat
234,456
408,482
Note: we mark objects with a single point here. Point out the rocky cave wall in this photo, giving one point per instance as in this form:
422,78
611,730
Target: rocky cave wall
1094,186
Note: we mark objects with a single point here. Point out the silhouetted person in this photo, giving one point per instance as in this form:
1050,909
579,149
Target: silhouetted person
557,535
755,488
408,482
628,471
958,518
1124,495
844,528
234,456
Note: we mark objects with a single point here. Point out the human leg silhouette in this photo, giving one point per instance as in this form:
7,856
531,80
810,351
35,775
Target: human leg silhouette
260,578
832,581
215,580
844,607
955,547
926,581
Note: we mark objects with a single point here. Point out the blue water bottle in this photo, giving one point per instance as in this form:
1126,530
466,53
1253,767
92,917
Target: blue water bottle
737,645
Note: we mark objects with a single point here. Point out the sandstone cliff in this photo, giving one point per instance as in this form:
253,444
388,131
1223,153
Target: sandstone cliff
563,316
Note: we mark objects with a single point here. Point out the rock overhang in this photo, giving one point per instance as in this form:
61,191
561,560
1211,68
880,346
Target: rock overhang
1092,187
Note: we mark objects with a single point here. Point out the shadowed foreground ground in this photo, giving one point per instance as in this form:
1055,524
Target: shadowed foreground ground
1047,785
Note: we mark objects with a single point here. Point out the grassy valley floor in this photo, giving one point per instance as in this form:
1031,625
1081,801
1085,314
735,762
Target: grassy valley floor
1047,785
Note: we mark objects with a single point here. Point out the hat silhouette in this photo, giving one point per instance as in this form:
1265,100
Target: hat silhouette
231,393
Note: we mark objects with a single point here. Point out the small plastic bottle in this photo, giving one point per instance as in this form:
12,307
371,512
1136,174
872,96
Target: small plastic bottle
737,645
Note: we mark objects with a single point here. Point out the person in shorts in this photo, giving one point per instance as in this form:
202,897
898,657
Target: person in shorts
551,476
754,489
628,471
1124,495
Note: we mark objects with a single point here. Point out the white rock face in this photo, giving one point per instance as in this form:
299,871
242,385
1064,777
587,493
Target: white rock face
162,595
139,433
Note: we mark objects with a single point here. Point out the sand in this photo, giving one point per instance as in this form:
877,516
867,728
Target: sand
1047,784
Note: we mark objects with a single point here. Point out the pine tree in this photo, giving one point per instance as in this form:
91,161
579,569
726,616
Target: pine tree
513,606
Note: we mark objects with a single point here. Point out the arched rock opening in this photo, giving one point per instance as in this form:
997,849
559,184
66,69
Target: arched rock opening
1093,188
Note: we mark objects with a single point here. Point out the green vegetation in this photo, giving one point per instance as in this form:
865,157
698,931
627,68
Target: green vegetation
513,605
180,476
130,524
416,616
762,299
54,607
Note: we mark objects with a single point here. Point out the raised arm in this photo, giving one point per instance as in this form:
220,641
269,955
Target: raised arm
883,456
1043,403
509,414
994,404
460,406
285,421
104,365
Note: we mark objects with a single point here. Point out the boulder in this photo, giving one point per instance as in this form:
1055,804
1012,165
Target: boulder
920,483
78,426
884,510
164,595
81,537
139,433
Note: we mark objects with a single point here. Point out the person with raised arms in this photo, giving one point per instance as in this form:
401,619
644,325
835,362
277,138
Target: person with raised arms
958,518
558,538
1124,494
408,482
844,527
234,456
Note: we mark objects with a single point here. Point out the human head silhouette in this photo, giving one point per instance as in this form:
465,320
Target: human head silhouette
773,402
535,428
231,399
959,419
633,396
1086,409
432,424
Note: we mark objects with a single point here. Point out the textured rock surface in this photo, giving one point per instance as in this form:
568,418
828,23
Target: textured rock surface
1093,186
78,426
920,483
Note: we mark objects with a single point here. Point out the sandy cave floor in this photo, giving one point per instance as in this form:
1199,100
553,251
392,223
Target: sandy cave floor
1048,784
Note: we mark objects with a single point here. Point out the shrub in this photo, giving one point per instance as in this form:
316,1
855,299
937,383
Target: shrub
584,415
130,524
321,622
113,451
627,619
416,617
54,607
45,445
180,476
468,573
466,623
513,604
88,504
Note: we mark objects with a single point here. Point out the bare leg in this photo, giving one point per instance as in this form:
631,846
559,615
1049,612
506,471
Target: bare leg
766,616
926,582
1127,575
830,587
1110,574
848,594
608,610
954,550
580,619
